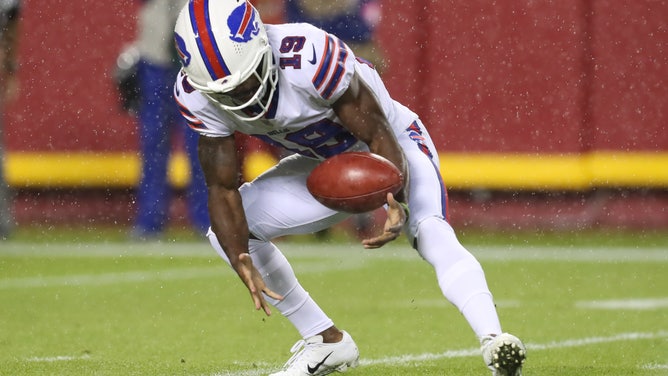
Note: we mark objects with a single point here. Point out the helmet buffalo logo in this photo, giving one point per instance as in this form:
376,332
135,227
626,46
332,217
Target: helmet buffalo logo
243,23
181,50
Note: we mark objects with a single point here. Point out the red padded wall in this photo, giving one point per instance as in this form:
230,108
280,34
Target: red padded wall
532,76
629,97
538,76
67,99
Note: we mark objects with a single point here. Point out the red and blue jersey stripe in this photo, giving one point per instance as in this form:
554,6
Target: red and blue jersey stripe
415,134
192,121
333,60
325,63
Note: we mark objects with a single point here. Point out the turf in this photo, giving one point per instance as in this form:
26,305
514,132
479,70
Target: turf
85,305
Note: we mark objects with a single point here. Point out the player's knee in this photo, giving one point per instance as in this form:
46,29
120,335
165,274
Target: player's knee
434,223
437,243
426,227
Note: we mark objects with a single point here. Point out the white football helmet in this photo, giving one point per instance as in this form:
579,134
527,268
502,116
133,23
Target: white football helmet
221,44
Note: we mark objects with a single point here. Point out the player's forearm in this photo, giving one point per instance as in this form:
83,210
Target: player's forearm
385,144
228,222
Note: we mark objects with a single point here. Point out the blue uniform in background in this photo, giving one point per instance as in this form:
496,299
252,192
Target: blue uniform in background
351,24
160,124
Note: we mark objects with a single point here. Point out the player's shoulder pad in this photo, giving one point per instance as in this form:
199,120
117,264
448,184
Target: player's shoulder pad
312,59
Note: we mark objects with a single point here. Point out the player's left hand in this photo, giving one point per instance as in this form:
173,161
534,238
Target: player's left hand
255,284
396,218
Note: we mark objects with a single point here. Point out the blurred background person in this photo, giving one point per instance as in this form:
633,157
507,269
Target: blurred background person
9,14
160,124
354,21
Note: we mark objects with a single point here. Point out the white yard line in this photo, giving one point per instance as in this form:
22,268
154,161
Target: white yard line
625,304
307,258
426,357
139,276
60,358
111,250
654,366
109,278
396,250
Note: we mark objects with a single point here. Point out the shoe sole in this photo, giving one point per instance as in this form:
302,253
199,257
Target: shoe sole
508,359
345,366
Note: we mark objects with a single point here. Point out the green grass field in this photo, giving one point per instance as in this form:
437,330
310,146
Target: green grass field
78,304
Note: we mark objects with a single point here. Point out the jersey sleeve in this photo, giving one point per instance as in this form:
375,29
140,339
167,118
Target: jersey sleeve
335,68
313,60
197,111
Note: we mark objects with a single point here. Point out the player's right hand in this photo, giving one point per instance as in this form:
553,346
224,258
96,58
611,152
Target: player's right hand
396,218
253,280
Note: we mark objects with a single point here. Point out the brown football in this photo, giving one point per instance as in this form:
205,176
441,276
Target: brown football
354,182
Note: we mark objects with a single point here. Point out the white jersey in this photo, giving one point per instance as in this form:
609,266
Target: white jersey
314,69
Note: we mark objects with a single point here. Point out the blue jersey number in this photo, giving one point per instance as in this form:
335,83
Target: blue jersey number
291,44
322,139
325,138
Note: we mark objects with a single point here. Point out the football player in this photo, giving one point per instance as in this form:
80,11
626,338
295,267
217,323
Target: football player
302,89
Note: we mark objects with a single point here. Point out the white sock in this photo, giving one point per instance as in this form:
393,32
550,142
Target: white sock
459,275
297,305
